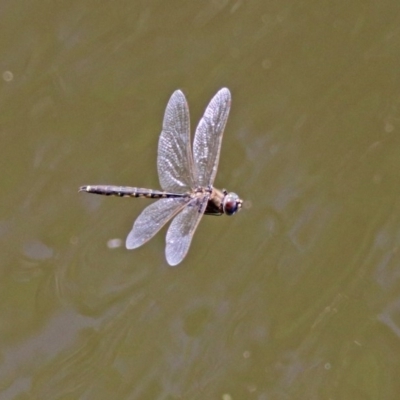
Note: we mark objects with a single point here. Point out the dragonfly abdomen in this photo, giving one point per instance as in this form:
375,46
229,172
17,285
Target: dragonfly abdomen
127,191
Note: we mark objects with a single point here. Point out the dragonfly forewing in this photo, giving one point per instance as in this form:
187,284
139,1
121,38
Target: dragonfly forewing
182,228
152,219
174,160
208,137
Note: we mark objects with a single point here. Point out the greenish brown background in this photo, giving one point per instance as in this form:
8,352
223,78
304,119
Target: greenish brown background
296,297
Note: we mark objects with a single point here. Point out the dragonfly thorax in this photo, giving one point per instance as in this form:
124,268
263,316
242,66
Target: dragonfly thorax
221,202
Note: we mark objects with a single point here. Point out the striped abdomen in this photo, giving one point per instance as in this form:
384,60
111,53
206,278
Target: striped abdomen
126,191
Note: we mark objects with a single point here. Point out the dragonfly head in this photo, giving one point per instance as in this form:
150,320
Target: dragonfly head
231,204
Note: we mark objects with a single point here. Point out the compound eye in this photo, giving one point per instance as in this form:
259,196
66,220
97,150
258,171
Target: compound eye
231,204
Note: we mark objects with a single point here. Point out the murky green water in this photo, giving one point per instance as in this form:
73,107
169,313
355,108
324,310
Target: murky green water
296,297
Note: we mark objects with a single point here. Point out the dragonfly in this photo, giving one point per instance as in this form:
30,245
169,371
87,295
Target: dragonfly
186,178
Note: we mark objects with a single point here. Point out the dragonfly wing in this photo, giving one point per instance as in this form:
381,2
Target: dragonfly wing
152,219
208,137
181,230
175,162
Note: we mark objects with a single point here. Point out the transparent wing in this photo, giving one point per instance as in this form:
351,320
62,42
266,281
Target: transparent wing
181,230
208,137
175,162
152,219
